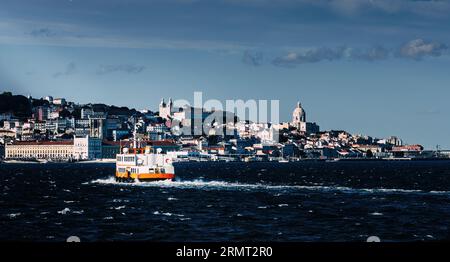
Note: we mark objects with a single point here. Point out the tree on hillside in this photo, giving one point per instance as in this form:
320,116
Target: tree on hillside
19,105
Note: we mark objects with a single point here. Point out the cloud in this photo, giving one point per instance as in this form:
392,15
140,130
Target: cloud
426,8
70,69
429,8
252,58
42,32
419,48
125,68
415,49
313,55
372,54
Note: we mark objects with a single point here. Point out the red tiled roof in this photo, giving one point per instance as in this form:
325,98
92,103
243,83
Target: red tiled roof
407,148
215,148
6,131
161,143
143,143
32,143
365,146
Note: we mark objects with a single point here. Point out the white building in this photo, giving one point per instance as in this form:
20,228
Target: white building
59,101
80,149
86,113
49,99
53,115
267,135
165,110
299,117
97,127
299,121
85,148
56,150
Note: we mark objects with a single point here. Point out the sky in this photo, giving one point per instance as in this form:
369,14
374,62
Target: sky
373,67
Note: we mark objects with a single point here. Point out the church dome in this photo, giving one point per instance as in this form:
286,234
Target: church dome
299,114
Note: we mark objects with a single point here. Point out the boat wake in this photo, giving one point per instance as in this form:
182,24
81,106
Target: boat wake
222,185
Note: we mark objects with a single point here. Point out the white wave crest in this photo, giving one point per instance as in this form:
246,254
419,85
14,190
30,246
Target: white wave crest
64,211
13,215
222,185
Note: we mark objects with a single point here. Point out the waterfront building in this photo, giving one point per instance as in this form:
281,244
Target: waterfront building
288,150
444,153
215,150
111,148
375,149
85,148
55,150
407,150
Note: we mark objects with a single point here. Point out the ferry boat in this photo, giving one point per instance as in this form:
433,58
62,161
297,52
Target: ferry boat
143,164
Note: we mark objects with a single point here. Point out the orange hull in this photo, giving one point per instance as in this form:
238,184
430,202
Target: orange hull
144,177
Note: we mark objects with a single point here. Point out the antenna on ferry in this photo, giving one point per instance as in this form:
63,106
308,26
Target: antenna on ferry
134,136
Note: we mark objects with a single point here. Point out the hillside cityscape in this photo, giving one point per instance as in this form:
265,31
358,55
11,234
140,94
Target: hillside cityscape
54,129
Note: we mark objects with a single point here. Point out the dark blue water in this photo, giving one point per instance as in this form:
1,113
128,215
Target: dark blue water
306,201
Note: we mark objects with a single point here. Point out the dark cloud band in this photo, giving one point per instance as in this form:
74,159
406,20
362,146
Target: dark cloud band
416,49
